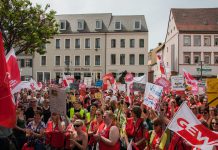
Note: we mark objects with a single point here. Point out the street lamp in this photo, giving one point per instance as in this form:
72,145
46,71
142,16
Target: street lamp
201,63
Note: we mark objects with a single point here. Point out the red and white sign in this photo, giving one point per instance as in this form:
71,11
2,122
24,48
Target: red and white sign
185,124
162,81
13,69
160,63
67,79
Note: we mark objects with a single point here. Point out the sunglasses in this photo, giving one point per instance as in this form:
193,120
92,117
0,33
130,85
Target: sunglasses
98,114
214,123
76,125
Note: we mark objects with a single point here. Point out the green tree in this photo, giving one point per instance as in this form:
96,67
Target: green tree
26,27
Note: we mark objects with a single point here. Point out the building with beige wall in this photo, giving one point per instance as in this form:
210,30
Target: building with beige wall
192,42
90,45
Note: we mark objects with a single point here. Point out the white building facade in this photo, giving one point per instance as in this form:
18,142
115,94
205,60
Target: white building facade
90,45
192,42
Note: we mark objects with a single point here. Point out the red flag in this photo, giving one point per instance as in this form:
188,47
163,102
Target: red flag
13,69
190,128
188,77
7,107
161,64
128,77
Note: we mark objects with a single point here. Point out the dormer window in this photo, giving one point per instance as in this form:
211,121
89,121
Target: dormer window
117,25
62,24
98,24
80,24
137,25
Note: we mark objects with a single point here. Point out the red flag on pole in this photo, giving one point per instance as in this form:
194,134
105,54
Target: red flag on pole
13,69
7,107
161,64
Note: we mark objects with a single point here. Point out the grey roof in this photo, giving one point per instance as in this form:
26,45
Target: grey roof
108,22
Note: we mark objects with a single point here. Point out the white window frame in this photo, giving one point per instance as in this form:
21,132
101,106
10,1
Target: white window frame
65,43
208,56
120,25
187,37
215,37
140,25
216,55
205,38
27,62
186,55
59,43
55,61
194,59
143,59
79,43
45,60
89,43
82,25
89,60
194,41
121,43
65,60
111,59
65,25
130,59
114,43
75,60
42,75
100,24
124,59
99,43
95,60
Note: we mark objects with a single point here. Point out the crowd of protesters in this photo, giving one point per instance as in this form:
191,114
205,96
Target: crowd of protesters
116,121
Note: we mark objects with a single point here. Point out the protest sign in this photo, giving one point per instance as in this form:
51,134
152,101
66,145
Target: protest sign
98,95
162,81
212,91
138,87
121,87
88,81
152,95
99,83
177,83
57,98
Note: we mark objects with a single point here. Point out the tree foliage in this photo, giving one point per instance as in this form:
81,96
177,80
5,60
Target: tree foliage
26,27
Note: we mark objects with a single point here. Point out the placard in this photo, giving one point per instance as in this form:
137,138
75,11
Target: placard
178,83
139,87
88,81
57,97
152,95
212,91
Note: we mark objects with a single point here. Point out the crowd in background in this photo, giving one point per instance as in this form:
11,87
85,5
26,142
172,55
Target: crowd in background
116,121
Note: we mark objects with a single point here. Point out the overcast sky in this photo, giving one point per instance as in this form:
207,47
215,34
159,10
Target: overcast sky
156,12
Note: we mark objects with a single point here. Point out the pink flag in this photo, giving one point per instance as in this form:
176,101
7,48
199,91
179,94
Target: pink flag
7,107
13,69
186,125
161,64
188,77
128,77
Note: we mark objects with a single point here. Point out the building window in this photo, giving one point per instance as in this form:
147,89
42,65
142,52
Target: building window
122,43
117,25
67,60
197,40
22,63
187,40
46,77
39,76
207,59
87,74
113,59
77,60
80,25
187,59
97,43
122,59
113,43
97,60
58,44
43,60
28,62
98,24
57,60
87,60
207,40
67,43
87,43
77,43
132,43
141,43
197,59
141,59
63,24
140,74
215,59
137,25
215,40
132,59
